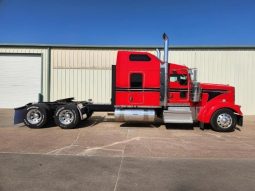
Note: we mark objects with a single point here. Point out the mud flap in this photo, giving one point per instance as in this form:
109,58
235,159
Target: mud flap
19,114
240,120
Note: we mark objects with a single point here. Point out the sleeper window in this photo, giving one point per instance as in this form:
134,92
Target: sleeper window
139,57
136,80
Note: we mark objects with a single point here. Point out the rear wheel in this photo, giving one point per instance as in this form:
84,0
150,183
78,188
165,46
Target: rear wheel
223,120
36,116
67,116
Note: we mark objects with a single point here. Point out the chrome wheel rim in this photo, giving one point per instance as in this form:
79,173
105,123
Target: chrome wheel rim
34,116
224,120
66,117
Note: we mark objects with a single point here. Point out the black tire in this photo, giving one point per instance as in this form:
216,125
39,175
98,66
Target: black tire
72,113
89,114
36,115
218,123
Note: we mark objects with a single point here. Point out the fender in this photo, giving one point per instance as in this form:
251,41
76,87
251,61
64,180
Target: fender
207,110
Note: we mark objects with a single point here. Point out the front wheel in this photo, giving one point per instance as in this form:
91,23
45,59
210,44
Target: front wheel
67,116
223,120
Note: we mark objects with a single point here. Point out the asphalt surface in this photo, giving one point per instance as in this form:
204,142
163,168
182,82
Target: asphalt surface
105,155
43,172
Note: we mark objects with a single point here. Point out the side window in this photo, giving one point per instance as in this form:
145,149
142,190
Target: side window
179,78
136,80
173,78
139,57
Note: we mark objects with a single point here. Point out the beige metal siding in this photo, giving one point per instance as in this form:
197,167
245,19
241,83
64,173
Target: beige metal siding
82,73
45,65
85,73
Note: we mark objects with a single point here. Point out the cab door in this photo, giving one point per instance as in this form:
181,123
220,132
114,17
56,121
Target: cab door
136,91
179,89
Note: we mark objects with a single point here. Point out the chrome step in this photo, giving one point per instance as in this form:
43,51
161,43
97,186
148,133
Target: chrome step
177,115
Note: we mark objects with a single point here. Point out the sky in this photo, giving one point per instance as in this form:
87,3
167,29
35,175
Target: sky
128,22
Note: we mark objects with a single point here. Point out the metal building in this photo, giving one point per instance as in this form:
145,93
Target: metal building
84,72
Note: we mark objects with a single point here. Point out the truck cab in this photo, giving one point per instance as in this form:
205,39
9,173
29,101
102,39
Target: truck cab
140,94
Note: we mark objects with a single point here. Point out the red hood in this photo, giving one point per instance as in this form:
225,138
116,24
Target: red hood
216,86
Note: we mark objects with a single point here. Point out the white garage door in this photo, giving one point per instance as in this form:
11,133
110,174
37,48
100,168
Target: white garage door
20,80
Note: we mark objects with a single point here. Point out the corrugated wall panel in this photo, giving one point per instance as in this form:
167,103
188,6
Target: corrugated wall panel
82,73
86,73
233,67
45,64
83,84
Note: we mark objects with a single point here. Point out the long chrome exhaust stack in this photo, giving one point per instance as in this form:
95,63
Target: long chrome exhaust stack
164,74
165,38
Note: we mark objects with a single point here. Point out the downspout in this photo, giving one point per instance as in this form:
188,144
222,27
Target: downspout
49,74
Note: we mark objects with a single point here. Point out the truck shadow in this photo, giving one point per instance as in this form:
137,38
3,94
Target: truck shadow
141,124
94,120
183,126
175,126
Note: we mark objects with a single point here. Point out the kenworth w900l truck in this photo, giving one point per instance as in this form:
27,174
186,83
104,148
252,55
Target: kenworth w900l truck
145,88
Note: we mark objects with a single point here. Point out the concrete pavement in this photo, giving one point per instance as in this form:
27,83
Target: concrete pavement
106,155
47,172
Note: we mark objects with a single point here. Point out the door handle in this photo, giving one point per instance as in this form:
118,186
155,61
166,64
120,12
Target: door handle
131,98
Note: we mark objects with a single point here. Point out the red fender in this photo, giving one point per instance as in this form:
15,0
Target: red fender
208,109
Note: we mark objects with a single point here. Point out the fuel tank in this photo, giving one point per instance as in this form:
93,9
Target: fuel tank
145,115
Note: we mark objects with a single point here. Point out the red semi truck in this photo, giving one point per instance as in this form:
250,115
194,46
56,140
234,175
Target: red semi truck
145,88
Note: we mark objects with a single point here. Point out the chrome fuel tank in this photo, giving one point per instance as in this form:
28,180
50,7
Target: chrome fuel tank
146,115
